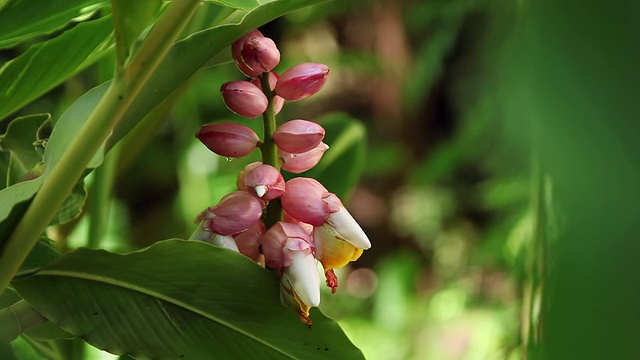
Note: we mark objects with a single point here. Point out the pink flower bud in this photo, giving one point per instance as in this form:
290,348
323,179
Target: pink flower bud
302,81
298,136
302,200
280,240
228,139
278,101
236,212
290,219
240,181
265,182
249,241
236,52
244,98
260,54
297,163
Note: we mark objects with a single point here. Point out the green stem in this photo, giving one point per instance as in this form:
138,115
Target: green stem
268,148
116,101
100,199
17,319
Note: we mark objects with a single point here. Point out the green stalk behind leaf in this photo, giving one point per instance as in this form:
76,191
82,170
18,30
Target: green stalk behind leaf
118,98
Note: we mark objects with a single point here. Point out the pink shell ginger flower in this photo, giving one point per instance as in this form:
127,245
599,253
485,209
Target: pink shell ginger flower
297,163
278,101
236,52
236,212
260,54
228,139
264,181
302,81
244,98
298,136
339,240
288,249
337,236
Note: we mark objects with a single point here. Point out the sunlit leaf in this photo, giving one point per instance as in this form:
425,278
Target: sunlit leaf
238,4
21,20
49,63
179,299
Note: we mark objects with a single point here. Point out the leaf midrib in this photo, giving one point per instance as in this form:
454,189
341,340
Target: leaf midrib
136,288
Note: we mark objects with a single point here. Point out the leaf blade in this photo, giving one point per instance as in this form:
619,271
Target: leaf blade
31,74
194,308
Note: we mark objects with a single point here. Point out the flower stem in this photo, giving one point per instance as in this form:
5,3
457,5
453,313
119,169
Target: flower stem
268,148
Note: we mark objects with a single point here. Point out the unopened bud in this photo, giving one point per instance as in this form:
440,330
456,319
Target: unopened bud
236,52
236,212
265,181
260,54
249,241
302,81
228,139
298,136
240,180
302,200
244,98
278,101
297,163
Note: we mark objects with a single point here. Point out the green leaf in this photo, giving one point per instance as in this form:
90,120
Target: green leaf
42,254
15,199
7,352
130,19
21,20
47,64
343,162
19,141
238,4
179,299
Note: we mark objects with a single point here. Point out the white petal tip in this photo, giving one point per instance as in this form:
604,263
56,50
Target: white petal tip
260,190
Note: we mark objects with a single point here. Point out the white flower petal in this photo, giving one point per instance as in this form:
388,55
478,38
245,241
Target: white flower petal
348,228
224,241
304,277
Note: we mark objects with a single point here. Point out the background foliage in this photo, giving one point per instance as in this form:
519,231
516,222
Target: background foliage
499,178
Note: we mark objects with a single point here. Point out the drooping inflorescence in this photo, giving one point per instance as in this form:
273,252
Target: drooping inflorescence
287,227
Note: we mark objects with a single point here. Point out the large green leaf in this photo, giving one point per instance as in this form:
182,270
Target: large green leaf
343,162
179,299
49,63
22,19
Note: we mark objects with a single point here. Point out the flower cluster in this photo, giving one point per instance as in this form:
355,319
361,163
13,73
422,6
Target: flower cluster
289,226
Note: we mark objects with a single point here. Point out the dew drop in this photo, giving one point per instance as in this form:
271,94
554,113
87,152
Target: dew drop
293,156
229,159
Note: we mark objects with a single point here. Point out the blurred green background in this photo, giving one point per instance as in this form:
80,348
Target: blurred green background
500,187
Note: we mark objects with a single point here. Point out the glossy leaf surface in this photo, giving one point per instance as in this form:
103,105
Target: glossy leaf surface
179,299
